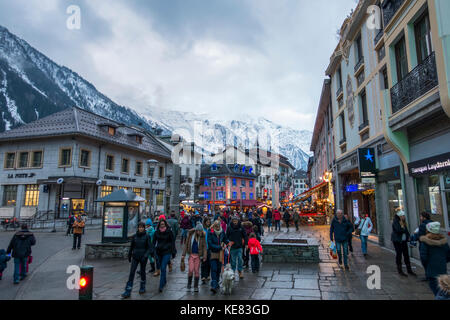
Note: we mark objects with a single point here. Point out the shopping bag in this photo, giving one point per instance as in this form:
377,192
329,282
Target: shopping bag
333,252
182,266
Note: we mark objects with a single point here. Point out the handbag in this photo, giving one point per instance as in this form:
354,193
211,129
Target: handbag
358,231
182,265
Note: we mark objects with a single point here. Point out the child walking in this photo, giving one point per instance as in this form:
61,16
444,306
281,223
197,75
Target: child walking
195,247
3,261
255,250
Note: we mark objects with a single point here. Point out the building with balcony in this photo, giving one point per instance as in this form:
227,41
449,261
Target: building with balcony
417,104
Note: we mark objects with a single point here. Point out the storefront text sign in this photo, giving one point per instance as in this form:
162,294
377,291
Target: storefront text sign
21,175
430,165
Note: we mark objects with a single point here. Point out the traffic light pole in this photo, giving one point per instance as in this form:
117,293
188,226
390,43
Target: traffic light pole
86,283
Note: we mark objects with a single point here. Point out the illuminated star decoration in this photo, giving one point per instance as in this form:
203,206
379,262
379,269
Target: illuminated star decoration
368,156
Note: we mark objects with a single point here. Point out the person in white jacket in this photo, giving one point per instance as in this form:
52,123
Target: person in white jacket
365,226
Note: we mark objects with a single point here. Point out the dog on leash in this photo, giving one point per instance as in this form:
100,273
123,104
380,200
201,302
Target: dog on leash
227,280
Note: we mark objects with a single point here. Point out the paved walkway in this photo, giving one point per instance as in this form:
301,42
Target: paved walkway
324,281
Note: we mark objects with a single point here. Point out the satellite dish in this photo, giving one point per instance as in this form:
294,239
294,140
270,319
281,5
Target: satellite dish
99,182
60,181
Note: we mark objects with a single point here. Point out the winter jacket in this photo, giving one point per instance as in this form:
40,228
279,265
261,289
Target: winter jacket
237,235
164,242
223,224
269,214
276,215
78,227
3,259
366,226
398,232
141,246
21,243
215,244
444,288
340,232
187,248
435,253
196,218
286,216
257,222
255,246
248,227
173,223
186,223
70,221
151,234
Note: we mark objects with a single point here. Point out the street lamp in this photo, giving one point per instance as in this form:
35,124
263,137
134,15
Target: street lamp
240,188
151,170
213,182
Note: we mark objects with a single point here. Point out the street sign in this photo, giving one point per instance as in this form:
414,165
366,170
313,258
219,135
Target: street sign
367,167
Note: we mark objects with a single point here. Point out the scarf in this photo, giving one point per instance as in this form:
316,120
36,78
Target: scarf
162,229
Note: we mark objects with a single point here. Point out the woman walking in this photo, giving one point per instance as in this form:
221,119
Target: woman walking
165,249
195,247
400,237
365,227
277,219
140,250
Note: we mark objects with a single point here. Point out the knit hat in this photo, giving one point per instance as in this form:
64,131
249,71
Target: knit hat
199,227
434,227
162,217
401,213
235,218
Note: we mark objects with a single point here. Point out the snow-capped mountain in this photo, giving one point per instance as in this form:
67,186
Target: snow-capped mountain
32,86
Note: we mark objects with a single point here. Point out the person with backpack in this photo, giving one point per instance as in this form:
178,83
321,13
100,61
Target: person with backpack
195,247
339,232
365,227
435,252
20,246
255,250
140,249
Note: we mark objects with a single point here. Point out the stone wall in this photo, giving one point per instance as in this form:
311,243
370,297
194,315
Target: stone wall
287,253
107,250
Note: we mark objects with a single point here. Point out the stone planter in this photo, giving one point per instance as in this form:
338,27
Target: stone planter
107,250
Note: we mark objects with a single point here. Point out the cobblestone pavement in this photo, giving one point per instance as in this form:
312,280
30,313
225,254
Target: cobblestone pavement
323,281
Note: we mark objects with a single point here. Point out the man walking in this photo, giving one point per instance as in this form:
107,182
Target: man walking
339,232
20,246
78,227
296,218
237,238
286,218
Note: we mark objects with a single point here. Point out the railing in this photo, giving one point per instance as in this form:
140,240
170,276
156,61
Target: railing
378,36
419,81
390,7
360,63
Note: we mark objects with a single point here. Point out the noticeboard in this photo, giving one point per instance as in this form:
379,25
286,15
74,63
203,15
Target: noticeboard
113,225
367,166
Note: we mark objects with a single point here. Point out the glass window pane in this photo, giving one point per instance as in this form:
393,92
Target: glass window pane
23,160
10,158
37,159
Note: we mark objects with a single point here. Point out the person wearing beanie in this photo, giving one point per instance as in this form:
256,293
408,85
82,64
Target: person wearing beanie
435,253
195,247
237,238
151,233
400,237
217,242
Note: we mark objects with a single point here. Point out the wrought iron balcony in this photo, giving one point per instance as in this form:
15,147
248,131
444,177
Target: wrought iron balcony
378,37
360,63
390,7
419,81
339,91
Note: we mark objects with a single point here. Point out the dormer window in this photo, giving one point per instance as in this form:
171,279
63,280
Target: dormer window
111,131
137,137
110,128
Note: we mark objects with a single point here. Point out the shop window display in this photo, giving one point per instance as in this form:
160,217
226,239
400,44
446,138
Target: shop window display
395,197
429,197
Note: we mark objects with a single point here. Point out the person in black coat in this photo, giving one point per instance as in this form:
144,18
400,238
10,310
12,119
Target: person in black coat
340,230
350,237
20,246
400,237
3,261
165,249
286,218
425,218
237,236
140,249
70,222
269,217
435,252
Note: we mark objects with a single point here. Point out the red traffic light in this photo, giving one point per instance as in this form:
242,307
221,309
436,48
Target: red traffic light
83,282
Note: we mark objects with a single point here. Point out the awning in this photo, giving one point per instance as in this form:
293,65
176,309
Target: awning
305,195
121,195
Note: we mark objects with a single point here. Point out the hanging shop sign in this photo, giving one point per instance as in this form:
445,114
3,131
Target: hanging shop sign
430,165
367,167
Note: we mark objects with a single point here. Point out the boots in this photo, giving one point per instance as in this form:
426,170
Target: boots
196,279
400,271
142,289
170,267
410,271
157,273
189,285
152,265
127,292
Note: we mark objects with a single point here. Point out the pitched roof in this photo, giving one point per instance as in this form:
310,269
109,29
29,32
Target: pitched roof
77,121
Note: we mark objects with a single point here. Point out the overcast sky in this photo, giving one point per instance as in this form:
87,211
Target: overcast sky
226,57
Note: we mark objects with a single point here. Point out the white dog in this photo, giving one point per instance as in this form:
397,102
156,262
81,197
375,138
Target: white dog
227,280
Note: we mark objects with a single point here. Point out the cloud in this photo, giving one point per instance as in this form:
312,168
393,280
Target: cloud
224,57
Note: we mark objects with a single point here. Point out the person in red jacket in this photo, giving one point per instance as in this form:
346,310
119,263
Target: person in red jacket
255,250
277,219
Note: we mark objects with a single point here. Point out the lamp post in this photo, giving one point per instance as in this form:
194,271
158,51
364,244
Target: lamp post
213,182
151,170
240,188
